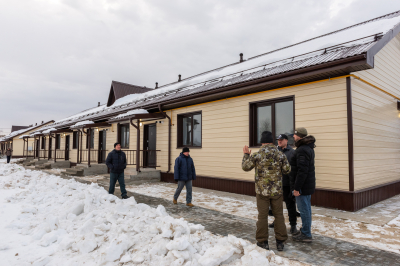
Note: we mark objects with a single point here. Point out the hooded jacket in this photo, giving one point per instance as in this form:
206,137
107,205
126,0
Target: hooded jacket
8,152
116,161
184,168
302,177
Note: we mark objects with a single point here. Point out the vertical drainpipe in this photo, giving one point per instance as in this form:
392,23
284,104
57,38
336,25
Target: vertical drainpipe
77,146
23,149
80,160
34,147
137,143
88,140
169,137
55,147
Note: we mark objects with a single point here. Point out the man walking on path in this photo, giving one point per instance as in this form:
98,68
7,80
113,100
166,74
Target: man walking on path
184,173
287,193
269,166
116,161
302,180
8,153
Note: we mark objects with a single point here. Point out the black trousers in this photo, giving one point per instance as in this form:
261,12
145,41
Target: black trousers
290,205
114,177
8,159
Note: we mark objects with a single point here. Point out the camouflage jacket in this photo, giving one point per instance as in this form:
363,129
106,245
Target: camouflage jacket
270,164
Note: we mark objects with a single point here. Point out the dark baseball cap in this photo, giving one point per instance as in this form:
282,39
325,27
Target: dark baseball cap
282,136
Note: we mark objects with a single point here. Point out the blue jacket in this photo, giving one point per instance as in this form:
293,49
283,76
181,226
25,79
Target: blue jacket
116,161
184,168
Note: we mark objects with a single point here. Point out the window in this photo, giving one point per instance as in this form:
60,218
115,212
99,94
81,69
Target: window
275,115
43,143
75,140
189,130
124,136
58,141
90,140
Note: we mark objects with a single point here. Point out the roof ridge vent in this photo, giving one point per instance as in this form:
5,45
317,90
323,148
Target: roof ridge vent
241,58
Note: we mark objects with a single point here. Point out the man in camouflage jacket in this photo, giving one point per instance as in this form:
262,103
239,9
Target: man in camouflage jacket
269,164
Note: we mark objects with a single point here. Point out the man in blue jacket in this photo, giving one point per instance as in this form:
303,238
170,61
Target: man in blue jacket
116,161
184,173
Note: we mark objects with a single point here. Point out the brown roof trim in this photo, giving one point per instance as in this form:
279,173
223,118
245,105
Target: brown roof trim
140,116
120,89
340,67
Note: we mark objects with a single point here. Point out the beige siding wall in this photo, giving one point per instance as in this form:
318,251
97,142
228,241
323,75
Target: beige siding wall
376,120
320,107
18,144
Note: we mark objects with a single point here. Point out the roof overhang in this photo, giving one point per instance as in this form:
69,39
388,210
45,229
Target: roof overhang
141,117
102,124
296,77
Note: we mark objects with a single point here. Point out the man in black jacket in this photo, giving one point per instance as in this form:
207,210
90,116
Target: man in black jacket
116,161
302,180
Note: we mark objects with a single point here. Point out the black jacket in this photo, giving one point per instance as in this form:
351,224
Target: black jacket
302,177
184,168
116,161
289,152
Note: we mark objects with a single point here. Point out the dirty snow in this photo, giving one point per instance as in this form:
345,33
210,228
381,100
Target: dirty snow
49,220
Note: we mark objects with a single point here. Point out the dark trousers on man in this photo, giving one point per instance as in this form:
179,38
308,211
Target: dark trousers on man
276,203
290,205
8,159
188,185
114,177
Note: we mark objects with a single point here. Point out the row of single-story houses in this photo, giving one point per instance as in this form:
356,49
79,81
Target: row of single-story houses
344,87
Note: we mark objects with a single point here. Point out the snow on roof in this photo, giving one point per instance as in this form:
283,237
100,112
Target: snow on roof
18,132
86,122
24,136
49,130
133,112
350,41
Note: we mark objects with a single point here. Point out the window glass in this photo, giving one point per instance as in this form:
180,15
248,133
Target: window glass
264,120
284,120
124,136
197,130
187,131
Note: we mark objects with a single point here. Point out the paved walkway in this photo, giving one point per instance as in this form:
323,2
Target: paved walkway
323,250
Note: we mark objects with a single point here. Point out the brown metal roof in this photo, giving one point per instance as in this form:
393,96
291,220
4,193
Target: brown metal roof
15,128
120,89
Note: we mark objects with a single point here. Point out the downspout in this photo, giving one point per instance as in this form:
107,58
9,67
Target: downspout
87,143
77,146
169,137
82,131
23,149
55,147
137,144
27,148
34,148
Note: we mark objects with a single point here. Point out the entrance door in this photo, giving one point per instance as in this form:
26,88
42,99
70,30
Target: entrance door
102,146
149,149
67,147
50,139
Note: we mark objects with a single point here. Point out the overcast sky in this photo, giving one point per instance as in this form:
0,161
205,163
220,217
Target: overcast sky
59,57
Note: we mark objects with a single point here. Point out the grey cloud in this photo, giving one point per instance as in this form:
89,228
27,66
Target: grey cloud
58,58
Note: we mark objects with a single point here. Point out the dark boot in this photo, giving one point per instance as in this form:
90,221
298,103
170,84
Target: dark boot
298,214
302,238
263,245
125,197
279,245
293,230
272,225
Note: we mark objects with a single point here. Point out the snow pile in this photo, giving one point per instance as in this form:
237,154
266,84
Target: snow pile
79,224
86,122
395,222
133,112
